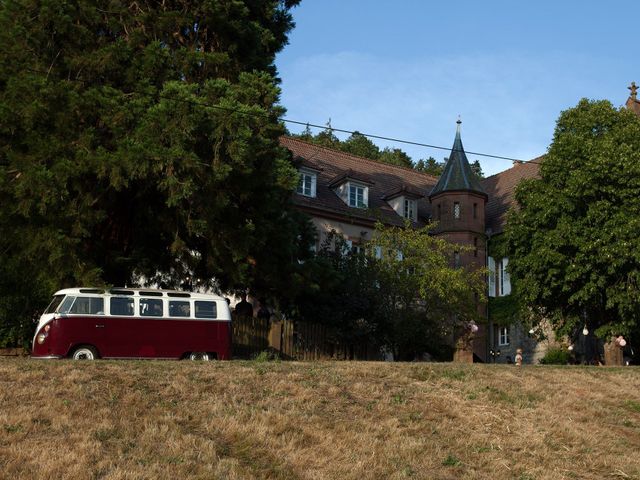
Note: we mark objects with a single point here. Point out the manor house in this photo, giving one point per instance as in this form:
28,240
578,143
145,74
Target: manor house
349,194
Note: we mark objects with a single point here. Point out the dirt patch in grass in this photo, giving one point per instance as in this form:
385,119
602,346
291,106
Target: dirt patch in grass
323,420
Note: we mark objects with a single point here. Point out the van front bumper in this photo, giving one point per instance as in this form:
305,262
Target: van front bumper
47,357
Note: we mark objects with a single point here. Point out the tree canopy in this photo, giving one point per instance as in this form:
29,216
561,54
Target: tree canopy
398,290
573,240
430,166
360,145
142,139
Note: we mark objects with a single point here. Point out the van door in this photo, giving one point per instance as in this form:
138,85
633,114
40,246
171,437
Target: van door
121,329
84,322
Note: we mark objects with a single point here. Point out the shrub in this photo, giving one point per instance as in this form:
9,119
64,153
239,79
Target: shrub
556,356
266,356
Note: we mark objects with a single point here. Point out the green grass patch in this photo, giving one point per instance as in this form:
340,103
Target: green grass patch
632,405
451,461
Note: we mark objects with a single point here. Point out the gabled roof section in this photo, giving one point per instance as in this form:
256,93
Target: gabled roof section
301,162
404,189
381,178
457,174
501,189
351,175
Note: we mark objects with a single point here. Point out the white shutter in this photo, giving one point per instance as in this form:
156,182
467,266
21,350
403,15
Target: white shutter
346,249
313,185
506,278
378,252
492,277
365,196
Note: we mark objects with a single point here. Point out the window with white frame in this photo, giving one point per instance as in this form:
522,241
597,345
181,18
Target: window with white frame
492,276
503,336
410,209
504,279
307,183
350,247
357,195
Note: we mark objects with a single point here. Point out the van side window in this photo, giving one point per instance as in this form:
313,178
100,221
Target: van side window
205,309
88,306
121,306
179,308
150,307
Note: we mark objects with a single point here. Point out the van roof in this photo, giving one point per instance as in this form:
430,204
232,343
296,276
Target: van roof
137,292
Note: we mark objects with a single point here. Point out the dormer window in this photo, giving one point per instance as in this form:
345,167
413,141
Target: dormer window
353,188
307,183
357,195
404,200
410,208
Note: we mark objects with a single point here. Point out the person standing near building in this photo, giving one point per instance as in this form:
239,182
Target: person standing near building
243,307
263,311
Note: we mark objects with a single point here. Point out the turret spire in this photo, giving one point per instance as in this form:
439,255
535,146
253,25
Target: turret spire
457,174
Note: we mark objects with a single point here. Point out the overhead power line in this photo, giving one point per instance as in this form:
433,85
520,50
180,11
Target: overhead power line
397,140
307,124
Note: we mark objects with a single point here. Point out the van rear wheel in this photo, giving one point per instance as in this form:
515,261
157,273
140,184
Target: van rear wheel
85,352
203,356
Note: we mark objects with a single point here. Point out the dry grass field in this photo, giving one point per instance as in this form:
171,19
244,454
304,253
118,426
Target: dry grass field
325,420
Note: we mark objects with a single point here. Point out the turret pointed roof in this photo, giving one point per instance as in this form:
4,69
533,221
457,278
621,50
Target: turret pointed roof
457,174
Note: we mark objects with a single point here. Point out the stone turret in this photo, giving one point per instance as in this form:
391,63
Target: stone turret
458,204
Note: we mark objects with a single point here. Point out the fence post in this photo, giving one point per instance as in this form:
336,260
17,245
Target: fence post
275,335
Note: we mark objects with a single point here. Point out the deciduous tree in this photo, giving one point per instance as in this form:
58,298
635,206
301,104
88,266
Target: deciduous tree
573,240
399,290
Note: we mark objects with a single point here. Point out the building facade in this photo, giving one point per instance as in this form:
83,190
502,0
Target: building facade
349,194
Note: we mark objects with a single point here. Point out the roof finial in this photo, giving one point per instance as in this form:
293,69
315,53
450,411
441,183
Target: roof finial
458,127
634,91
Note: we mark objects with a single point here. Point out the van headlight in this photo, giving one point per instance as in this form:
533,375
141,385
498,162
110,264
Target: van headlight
41,338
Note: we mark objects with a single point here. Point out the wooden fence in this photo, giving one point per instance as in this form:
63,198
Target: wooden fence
294,340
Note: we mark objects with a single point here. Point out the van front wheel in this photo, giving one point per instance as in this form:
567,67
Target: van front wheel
85,353
203,356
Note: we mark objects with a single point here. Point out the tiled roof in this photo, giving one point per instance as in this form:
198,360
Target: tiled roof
633,104
405,190
501,190
351,175
457,174
383,178
501,187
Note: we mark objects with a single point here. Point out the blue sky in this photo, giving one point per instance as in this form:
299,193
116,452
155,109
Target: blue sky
407,68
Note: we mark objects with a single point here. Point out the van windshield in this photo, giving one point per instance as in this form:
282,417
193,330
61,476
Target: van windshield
66,305
54,304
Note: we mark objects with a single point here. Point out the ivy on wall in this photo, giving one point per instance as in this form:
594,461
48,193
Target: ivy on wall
503,311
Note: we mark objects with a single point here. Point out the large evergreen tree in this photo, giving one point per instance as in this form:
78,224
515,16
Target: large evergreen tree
141,138
573,242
